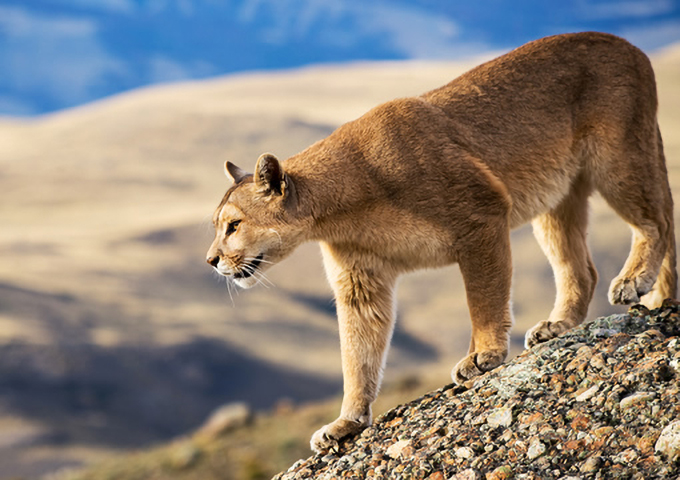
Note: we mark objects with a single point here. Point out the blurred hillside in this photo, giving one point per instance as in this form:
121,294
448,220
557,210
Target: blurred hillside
114,333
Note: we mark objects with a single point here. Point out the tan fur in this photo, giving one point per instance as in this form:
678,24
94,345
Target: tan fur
442,178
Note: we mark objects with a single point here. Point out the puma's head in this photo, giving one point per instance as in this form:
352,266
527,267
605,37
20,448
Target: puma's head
255,225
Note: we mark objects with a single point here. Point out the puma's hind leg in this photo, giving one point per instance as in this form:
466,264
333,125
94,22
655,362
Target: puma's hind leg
561,233
642,267
641,195
487,273
666,285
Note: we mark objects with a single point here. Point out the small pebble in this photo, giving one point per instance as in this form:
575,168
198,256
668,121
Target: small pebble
501,417
464,452
669,441
635,399
591,465
536,448
468,474
588,394
397,449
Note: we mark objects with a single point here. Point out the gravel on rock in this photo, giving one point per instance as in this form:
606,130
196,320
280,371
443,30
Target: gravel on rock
602,401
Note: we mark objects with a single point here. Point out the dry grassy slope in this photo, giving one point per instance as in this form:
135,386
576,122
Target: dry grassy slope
252,450
105,222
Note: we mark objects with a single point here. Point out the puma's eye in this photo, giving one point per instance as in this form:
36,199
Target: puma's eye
231,228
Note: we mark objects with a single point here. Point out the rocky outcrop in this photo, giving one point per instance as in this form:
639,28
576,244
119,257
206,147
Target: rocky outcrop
225,419
601,401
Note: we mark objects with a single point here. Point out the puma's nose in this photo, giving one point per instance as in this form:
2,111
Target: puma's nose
213,261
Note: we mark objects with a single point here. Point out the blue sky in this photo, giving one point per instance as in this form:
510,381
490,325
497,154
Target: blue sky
59,53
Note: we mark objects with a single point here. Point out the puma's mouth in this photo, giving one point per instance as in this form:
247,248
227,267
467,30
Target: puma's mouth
248,269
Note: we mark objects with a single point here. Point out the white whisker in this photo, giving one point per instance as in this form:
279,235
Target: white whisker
236,287
205,221
231,297
249,268
265,278
262,280
257,274
252,259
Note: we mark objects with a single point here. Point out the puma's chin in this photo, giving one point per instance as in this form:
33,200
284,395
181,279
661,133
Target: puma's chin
245,282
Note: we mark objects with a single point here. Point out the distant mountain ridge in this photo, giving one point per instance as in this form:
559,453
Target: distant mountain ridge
60,53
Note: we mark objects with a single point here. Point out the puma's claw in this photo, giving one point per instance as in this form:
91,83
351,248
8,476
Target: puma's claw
476,364
329,436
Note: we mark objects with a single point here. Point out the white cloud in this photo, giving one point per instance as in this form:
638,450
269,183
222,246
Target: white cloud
413,32
165,69
58,56
293,18
654,36
14,106
117,6
16,23
623,9
187,8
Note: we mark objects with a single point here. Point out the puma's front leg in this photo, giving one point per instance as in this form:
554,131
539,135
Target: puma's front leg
365,305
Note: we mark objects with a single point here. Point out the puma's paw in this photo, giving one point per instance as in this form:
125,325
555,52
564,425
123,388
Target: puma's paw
544,331
330,435
477,363
627,291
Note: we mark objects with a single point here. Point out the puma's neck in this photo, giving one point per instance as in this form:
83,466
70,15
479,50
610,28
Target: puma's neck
329,193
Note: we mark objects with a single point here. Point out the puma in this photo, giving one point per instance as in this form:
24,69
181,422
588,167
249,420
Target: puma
440,178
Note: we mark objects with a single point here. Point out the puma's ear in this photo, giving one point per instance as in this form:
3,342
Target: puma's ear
234,173
269,174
